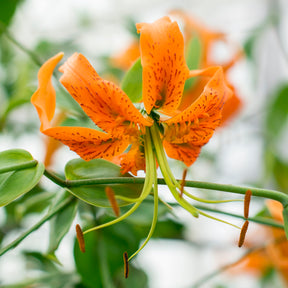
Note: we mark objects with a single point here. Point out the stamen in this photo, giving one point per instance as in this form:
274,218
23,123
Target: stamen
243,234
247,200
126,264
80,238
111,197
217,219
183,181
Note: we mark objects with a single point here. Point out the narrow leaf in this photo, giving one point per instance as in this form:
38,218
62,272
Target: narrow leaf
61,223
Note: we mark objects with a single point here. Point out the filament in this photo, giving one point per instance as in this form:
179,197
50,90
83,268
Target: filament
183,181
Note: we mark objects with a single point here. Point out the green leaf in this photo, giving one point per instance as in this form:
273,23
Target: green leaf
277,113
15,183
79,169
61,223
193,58
132,82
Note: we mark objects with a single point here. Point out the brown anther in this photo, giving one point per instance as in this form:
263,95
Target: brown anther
247,200
183,182
80,238
243,234
126,264
111,197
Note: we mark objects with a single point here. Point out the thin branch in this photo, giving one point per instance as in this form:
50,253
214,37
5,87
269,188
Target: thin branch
31,54
258,192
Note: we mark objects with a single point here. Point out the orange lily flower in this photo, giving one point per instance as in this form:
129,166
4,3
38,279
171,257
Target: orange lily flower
164,75
139,138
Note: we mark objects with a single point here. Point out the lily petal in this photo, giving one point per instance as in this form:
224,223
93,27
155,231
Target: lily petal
103,101
196,124
89,143
185,152
164,67
44,99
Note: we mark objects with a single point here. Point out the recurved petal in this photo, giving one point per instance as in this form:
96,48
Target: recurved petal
196,124
89,143
44,99
103,101
185,152
164,67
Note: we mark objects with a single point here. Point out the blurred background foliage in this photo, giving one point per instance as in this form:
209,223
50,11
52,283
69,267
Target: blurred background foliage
250,150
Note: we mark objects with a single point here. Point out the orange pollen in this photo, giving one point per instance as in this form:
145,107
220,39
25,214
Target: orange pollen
247,200
183,181
80,238
126,264
243,234
111,197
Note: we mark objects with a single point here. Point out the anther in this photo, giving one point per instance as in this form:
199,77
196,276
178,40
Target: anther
111,197
183,181
80,238
243,234
247,200
126,264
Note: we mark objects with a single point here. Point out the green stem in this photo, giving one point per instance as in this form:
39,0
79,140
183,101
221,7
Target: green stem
57,180
25,165
48,216
264,193
258,192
